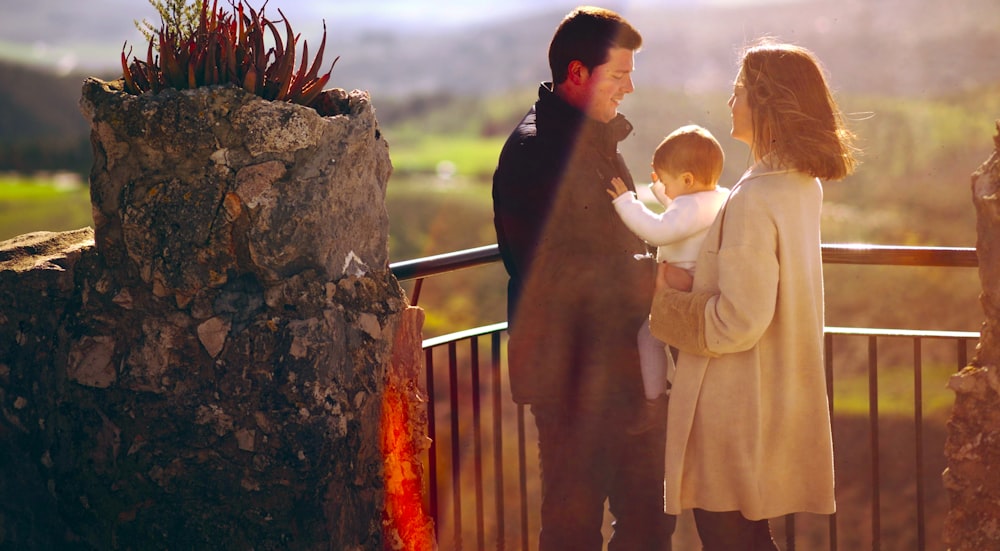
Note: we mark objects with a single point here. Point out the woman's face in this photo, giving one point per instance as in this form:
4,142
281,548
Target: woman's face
740,112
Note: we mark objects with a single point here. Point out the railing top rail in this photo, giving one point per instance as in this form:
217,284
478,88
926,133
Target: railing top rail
447,262
847,331
843,253
860,253
467,334
908,333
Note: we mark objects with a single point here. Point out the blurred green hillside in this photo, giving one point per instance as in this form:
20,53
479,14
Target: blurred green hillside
41,128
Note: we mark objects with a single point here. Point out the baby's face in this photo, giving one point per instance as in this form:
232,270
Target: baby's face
675,185
659,191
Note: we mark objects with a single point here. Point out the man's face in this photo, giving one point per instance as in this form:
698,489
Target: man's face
607,84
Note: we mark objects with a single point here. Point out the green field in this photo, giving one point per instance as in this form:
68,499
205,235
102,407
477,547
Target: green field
44,203
445,155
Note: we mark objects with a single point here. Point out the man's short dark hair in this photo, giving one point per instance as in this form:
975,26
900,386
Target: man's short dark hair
587,34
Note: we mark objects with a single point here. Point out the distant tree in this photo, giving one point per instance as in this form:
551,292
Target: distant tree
175,14
47,154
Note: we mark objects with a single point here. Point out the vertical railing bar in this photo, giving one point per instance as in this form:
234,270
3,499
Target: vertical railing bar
432,463
477,450
828,365
918,420
873,422
456,469
790,531
498,439
522,467
415,295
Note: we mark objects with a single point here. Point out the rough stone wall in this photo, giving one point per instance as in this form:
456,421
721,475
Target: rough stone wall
204,369
973,445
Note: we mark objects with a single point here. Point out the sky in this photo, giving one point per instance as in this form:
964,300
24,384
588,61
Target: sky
89,34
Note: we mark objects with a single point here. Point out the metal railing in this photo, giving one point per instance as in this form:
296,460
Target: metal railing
483,488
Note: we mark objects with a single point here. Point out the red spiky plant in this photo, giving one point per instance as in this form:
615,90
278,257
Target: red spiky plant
229,47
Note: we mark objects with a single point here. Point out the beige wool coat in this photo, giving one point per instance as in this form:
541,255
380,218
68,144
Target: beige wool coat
748,425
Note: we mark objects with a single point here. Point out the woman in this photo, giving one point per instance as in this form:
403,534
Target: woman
748,434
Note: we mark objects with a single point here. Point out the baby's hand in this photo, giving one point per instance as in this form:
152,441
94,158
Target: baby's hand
618,188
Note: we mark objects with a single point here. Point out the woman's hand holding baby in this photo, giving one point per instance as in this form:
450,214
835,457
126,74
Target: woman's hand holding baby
672,277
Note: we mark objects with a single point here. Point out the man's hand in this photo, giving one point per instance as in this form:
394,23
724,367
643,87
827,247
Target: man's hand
673,277
617,188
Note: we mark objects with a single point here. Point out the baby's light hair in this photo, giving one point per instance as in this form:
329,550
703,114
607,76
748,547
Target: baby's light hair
692,149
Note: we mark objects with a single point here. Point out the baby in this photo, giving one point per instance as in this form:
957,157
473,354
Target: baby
686,168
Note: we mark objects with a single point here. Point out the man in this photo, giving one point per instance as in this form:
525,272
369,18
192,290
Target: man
577,294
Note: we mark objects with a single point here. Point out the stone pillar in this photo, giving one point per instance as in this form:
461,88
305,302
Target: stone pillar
206,368
972,477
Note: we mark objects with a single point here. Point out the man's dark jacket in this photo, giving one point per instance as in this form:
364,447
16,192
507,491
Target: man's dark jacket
576,295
